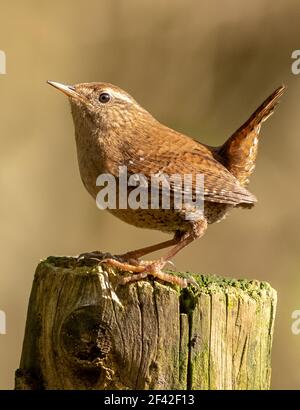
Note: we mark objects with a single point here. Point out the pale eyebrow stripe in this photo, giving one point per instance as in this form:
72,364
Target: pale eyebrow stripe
119,95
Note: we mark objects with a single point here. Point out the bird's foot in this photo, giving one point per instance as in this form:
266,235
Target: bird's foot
93,257
139,269
143,269
97,258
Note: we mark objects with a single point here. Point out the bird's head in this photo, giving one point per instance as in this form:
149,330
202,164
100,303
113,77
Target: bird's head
103,104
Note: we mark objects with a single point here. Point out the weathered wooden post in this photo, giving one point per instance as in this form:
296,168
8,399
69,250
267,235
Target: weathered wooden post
83,331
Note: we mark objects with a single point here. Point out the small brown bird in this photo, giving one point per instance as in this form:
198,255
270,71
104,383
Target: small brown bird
113,130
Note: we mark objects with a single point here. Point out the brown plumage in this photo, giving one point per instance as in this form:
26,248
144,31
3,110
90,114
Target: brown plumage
238,153
112,129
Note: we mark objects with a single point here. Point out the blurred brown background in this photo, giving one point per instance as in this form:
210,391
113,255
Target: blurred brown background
200,67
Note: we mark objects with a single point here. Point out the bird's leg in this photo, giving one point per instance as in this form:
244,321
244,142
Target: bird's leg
136,254
154,268
186,239
130,257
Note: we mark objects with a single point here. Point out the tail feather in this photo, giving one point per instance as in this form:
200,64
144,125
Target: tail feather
266,109
239,152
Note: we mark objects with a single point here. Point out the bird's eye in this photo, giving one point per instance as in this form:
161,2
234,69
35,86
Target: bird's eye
104,98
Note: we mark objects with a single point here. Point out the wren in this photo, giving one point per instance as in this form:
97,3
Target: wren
112,129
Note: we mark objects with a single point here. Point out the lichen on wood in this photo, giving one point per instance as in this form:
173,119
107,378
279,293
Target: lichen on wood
85,331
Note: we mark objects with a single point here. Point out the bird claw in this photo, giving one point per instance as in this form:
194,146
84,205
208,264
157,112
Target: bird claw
95,255
191,281
169,262
104,257
124,266
139,269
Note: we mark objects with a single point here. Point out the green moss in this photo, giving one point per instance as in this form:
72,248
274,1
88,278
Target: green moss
208,284
211,284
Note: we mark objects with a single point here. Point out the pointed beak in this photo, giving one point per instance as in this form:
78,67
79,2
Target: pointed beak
69,90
